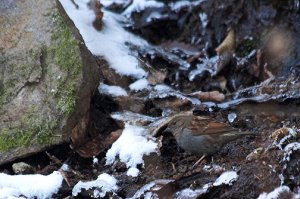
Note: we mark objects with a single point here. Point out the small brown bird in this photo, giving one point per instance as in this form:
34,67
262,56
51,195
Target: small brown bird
201,135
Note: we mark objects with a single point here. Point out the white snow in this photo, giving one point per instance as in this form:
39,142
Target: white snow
282,141
213,167
65,167
289,150
143,190
163,91
30,186
107,3
190,193
110,42
131,146
114,91
132,118
12,197
155,15
134,172
292,146
180,4
147,189
139,85
104,182
208,64
228,177
140,5
203,19
231,117
95,160
275,193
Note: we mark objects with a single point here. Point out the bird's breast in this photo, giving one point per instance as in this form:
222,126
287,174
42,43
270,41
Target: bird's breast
197,144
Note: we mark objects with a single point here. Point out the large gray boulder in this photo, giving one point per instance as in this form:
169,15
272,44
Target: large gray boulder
47,77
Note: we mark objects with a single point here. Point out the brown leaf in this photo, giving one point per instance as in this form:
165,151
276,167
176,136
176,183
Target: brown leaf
94,146
214,96
228,44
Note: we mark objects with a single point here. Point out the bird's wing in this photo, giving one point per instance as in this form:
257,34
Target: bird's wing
208,126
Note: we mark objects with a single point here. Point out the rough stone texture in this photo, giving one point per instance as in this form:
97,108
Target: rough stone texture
47,77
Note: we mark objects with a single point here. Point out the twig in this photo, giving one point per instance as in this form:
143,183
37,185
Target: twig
65,177
53,158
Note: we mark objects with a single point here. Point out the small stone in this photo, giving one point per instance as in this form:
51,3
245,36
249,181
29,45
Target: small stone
22,168
254,155
231,117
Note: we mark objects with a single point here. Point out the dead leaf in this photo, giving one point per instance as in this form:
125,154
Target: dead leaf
214,96
228,44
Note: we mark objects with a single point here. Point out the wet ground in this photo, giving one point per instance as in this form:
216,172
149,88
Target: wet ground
257,174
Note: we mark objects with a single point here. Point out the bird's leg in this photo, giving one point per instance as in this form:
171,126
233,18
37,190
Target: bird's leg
199,161
270,78
173,166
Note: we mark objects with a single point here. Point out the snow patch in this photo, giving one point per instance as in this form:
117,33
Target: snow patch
131,146
114,91
139,85
288,151
147,189
107,3
292,147
110,42
65,167
231,117
203,19
282,141
30,186
228,177
206,65
133,172
275,193
163,91
104,182
190,193
140,5
132,118
95,161
180,4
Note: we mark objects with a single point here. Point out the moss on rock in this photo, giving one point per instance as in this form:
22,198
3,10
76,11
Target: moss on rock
61,58
66,54
31,129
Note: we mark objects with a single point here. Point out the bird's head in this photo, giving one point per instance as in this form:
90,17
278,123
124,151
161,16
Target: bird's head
178,123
